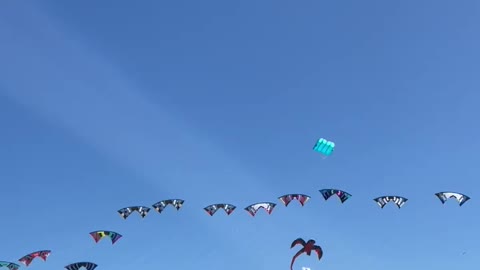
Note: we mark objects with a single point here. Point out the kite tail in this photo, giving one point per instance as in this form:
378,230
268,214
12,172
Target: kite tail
294,258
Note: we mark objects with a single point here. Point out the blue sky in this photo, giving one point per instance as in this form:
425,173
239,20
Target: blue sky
106,104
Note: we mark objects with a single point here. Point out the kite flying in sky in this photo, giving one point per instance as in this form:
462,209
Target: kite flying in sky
342,195
160,206
78,265
267,206
444,196
42,254
324,147
125,212
397,200
99,235
307,248
9,265
287,199
212,209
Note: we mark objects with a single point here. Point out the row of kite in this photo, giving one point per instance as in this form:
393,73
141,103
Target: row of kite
252,209
307,248
44,254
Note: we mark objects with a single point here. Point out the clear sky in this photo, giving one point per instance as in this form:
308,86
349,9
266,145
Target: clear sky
107,104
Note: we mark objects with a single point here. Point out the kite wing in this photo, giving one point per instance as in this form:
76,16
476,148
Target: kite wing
228,208
319,251
26,260
177,203
125,212
211,209
286,199
98,235
397,200
444,196
160,206
327,193
143,210
78,265
301,198
298,241
268,206
324,147
43,254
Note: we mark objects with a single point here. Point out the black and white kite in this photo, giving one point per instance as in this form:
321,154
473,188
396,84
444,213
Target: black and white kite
160,206
213,208
342,195
444,196
397,200
125,212
267,206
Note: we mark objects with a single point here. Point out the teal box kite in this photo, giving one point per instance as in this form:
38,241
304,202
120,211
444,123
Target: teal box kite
324,147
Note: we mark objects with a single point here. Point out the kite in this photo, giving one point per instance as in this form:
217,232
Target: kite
42,254
253,209
301,198
99,235
324,147
307,248
444,196
160,206
125,212
306,268
342,195
9,265
212,209
397,200
78,265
